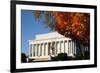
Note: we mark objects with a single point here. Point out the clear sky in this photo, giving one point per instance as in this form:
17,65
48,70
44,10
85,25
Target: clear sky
30,27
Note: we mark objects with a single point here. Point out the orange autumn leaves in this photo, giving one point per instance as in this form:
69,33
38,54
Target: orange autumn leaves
74,25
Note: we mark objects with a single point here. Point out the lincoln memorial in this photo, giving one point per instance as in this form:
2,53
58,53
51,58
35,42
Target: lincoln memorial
51,44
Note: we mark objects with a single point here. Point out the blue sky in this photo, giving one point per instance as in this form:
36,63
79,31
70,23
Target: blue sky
30,27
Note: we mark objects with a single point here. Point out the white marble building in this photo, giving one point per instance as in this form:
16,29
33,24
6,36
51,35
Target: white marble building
51,44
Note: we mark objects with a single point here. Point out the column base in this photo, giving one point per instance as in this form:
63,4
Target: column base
40,58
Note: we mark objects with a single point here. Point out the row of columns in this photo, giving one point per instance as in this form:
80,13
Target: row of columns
53,48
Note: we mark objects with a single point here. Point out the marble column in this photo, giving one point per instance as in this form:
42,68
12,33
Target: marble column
72,47
29,50
46,49
54,47
64,46
68,46
49,49
35,49
32,50
39,50
61,47
42,49
58,47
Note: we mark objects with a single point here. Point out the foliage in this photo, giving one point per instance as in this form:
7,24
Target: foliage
49,20
23,58
83,57
87,55
63,57
60,57
31,60
74,25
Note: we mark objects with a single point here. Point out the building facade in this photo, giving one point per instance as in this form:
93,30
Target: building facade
51,44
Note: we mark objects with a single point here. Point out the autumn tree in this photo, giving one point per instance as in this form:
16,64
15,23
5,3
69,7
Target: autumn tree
75,25
49,19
